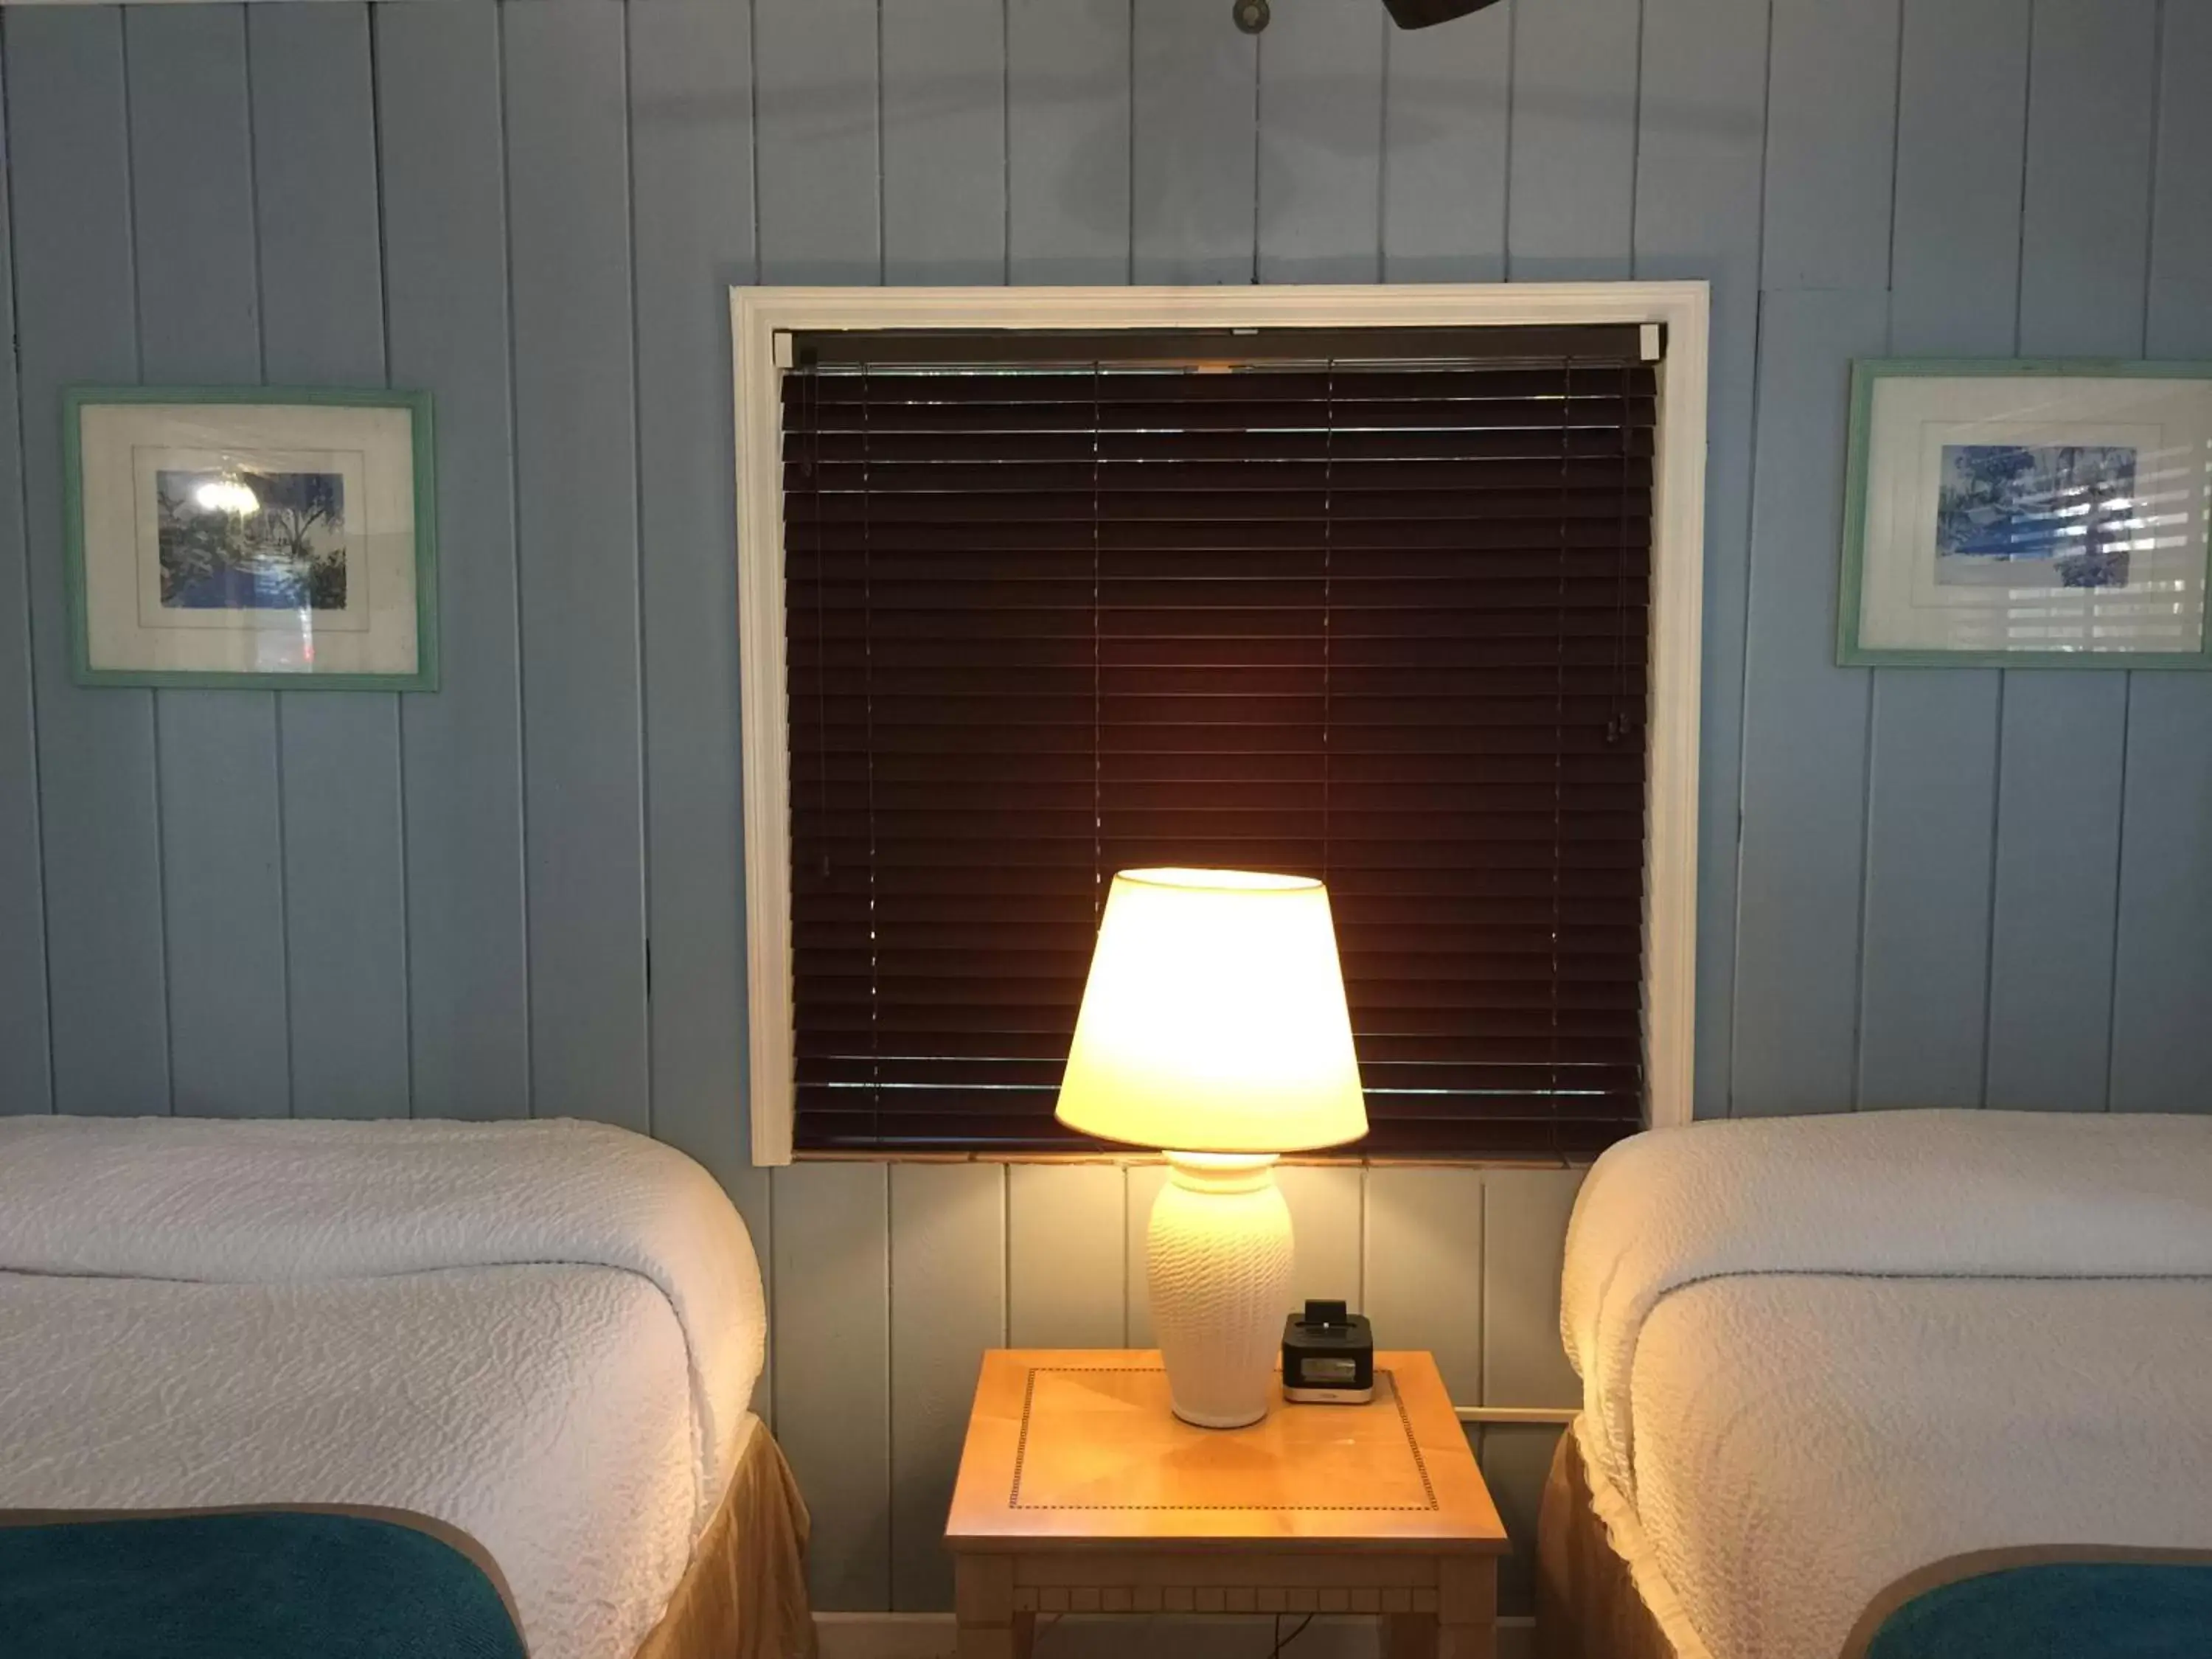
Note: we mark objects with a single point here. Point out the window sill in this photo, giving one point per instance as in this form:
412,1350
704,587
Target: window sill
1127,1160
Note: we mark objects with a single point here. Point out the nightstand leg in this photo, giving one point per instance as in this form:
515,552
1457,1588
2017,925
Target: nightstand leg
1409,1636
1467,1608
983,1603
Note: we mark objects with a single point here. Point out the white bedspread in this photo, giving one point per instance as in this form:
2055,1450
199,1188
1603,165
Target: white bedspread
1817,1353
545,1333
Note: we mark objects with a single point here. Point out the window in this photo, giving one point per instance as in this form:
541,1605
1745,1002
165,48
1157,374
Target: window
1372,604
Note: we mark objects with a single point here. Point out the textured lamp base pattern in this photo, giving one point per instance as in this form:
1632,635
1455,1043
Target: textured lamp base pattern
1220,1275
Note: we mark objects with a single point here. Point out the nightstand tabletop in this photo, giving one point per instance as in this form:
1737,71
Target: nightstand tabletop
1076,1448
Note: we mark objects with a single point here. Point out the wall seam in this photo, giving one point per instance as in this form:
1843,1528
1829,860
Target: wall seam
153,703
1129,156
1636,163
514,522
283,873
1382,155
1005,142
1750,561
883,238
641,643
752,125
2119,873
1996,854
1259,119
1512,90
371,27
1875,677
37,815
2134,680
2004,676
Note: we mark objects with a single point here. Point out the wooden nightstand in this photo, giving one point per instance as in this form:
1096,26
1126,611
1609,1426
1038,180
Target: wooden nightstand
1080,1492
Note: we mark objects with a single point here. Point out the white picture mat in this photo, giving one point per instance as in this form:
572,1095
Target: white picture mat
1902,607
373,447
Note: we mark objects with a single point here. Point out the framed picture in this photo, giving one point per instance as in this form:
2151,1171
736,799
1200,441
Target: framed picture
243,536
2027,515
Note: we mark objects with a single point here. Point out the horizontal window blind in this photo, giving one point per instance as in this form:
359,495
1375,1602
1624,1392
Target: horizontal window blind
1381,622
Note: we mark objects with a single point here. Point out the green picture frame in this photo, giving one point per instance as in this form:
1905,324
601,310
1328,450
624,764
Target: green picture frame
1867,445
422,560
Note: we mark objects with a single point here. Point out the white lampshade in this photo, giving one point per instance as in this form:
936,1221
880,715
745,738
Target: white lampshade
1214,1018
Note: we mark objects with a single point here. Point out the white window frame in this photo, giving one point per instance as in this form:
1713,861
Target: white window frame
763,318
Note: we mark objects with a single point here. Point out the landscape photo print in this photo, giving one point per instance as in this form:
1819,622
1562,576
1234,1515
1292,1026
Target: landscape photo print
2020,515
234,539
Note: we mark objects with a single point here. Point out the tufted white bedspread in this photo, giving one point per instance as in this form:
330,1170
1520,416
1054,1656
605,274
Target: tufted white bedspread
1818,1353
544,1333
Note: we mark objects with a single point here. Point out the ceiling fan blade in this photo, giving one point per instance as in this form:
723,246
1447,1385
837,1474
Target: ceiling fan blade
1420,14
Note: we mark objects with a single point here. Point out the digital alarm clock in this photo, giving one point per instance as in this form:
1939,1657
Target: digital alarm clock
1329,1357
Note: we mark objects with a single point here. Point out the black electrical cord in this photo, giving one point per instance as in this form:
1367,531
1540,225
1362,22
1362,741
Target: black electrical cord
1283,1641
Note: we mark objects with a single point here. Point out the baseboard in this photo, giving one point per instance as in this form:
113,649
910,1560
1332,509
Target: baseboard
1164,1636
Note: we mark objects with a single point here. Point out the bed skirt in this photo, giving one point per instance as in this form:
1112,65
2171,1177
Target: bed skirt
1587,1606
744,1594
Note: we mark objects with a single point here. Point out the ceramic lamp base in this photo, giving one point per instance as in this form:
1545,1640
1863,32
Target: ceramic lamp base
1220,1275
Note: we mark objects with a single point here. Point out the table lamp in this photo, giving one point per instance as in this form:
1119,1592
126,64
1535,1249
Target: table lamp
1213,1027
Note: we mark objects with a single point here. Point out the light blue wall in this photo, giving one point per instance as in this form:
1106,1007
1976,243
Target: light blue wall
1916,887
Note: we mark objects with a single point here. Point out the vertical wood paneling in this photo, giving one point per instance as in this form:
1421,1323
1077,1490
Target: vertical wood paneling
945,142
1067,141
831,1316
1424,1268
1192,166
223,828
2085,231
2180,323
1445,97
69,168
815,134
1700,152
1327,1230
576,492
316,214
948,1271
2162,987
1931,793
2162,977
691,79
322,323
1570,200
1524,1229
444,265
1932,758
2061,756
1831,112
1962,104
1321,122
25,1070
2058,810
221,850
1066,1256
1516,1459
1805,724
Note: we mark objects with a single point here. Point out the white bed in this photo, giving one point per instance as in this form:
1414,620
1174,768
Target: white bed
545,1335
1819,1354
